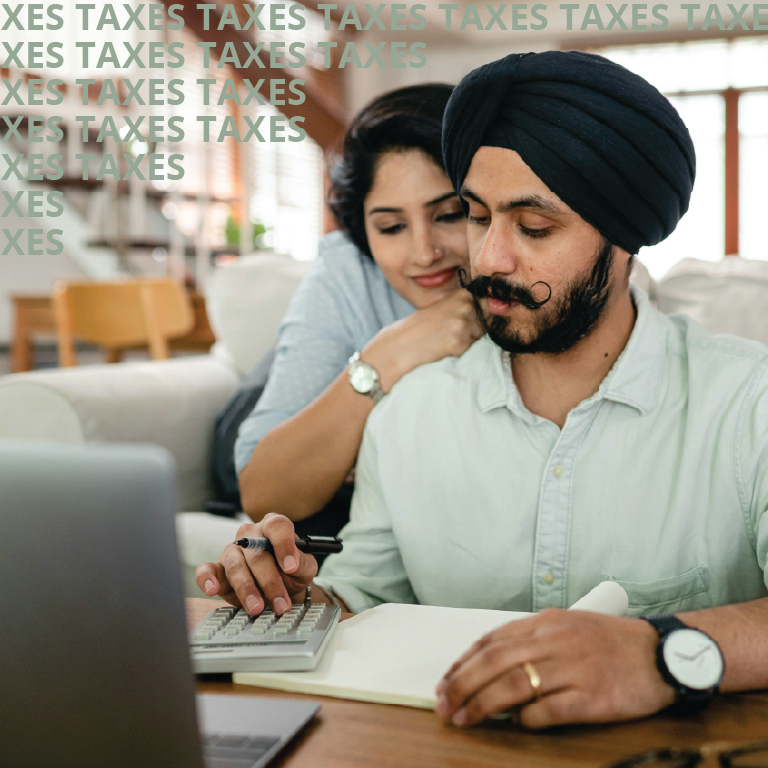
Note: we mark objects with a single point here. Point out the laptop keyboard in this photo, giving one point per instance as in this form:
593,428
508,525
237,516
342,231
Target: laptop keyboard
236,751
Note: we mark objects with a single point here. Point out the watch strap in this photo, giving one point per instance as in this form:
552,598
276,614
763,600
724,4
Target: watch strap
690,701
377,392
664,623
693,702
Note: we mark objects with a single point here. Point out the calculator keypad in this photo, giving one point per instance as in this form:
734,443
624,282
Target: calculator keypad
231,626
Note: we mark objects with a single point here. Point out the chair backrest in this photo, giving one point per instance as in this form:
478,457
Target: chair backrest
119,315
173,306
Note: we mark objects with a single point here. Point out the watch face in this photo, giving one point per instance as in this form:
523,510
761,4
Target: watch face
362,378
693,659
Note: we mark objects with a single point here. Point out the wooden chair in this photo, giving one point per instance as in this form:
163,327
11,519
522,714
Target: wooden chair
120,315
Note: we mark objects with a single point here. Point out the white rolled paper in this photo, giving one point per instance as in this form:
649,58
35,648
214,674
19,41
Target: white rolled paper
607,597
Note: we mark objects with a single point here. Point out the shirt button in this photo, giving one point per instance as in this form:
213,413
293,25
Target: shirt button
557,470
548,578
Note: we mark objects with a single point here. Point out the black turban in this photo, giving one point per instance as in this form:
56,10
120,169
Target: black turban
604,140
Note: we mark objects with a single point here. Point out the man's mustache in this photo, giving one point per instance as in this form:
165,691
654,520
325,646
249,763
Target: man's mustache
483,287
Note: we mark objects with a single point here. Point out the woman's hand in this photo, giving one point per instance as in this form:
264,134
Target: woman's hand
253,579
446,328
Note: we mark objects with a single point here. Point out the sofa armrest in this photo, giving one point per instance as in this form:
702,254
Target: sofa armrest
172,403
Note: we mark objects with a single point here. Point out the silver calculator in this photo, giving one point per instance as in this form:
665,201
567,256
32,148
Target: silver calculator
229,640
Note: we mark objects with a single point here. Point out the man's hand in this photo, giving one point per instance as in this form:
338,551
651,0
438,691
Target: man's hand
593,669
248,578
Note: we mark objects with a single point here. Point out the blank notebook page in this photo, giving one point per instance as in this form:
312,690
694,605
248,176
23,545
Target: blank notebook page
391,654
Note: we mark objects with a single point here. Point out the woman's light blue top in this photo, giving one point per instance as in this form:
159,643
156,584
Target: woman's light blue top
341,304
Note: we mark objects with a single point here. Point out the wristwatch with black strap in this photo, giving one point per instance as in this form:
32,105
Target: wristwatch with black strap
689,660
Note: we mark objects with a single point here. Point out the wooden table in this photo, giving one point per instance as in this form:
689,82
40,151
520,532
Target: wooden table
351,734
33,315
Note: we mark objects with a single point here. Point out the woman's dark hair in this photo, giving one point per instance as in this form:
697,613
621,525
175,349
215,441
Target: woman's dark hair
407,118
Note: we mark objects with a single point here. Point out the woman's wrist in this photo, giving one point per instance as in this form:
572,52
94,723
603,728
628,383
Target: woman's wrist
388,367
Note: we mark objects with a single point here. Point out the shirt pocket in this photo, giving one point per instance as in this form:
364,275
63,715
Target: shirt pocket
687,592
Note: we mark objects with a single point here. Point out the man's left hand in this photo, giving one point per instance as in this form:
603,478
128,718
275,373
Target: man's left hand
593,669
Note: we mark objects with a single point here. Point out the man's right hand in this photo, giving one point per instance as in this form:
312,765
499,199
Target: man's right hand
253,580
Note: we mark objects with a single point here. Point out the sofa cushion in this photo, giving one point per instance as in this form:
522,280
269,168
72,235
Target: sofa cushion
246,301
727,296
172,403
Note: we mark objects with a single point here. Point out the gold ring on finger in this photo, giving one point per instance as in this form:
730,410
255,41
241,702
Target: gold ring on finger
533,677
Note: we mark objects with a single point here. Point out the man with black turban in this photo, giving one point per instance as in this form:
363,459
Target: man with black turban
586,438
605,147
604,140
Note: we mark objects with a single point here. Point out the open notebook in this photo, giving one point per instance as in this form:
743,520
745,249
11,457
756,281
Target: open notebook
396,654
393,654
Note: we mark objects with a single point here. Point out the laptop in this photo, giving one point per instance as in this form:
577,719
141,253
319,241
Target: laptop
95,669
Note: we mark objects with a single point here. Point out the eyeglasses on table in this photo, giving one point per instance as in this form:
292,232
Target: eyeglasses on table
754,755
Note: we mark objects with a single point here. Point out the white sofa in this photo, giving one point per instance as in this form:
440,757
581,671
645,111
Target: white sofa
174,403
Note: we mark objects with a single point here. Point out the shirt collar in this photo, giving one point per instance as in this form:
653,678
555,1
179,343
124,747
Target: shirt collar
634,380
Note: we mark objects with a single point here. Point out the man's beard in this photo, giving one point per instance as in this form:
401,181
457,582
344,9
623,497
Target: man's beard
557,328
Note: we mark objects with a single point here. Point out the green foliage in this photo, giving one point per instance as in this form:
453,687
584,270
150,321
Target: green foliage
232,232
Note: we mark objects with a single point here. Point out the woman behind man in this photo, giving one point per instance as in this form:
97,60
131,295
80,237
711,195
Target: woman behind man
385,287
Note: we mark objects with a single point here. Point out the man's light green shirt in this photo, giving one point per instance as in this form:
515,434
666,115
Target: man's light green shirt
659,481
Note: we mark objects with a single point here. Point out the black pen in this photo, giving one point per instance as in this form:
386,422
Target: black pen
312,545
